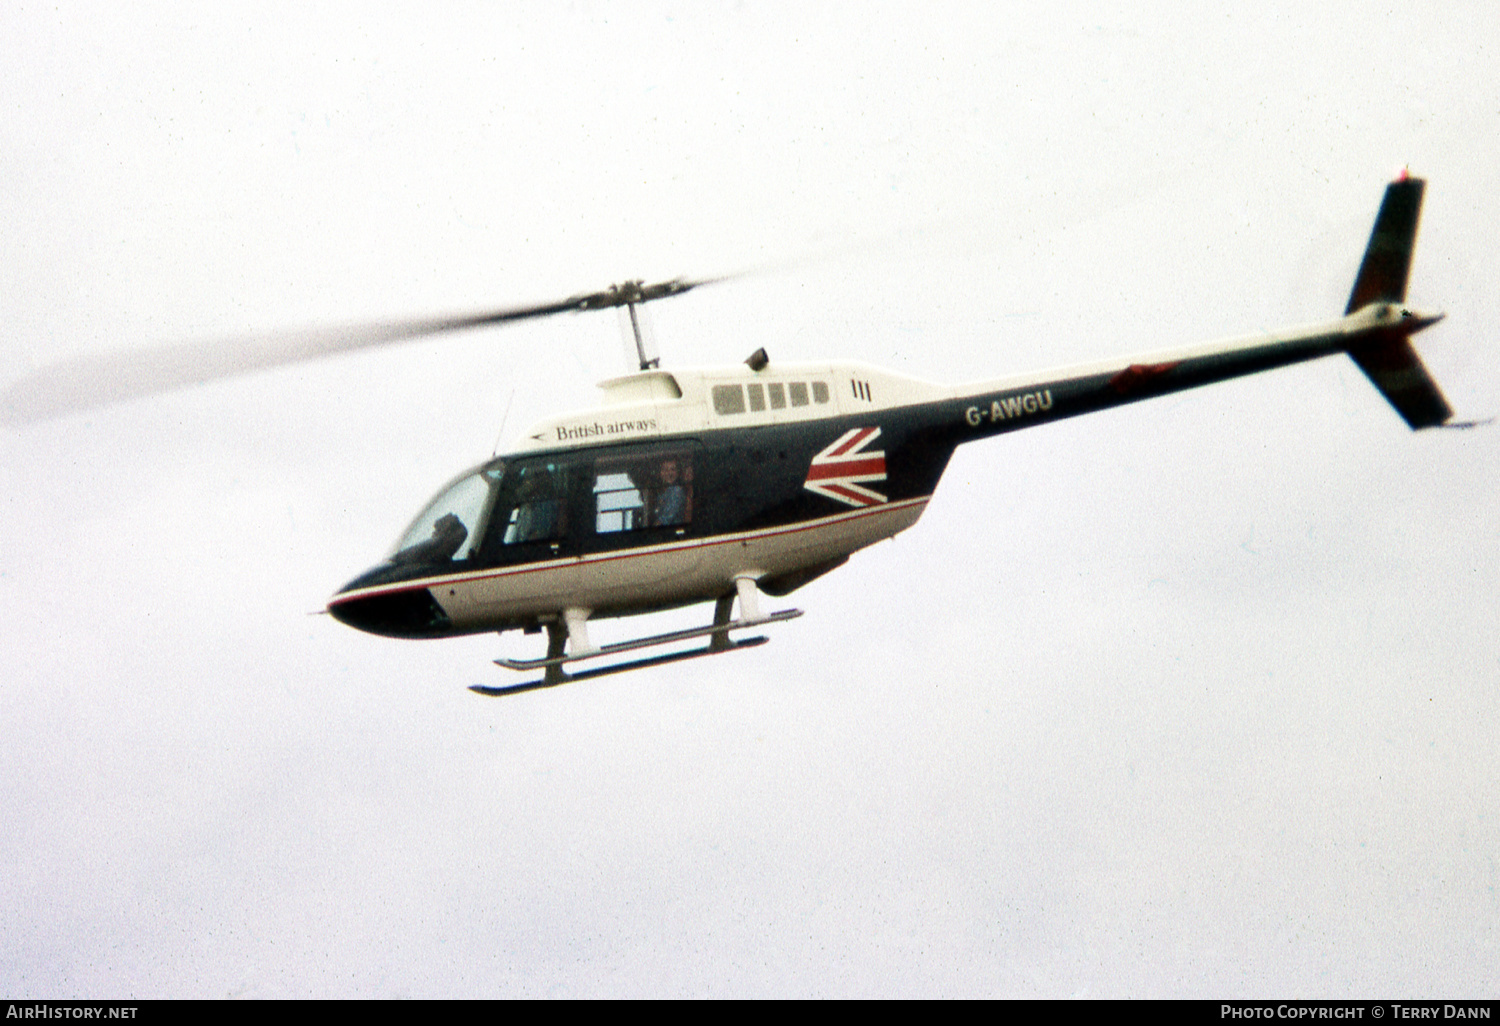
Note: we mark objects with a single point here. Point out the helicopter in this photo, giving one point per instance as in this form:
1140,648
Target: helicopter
725,484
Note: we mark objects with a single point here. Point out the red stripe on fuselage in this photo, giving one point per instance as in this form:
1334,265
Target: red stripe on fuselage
554,564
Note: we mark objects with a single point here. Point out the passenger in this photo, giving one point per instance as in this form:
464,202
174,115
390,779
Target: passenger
671,505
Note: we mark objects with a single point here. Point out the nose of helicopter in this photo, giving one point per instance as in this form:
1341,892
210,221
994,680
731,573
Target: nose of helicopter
394,613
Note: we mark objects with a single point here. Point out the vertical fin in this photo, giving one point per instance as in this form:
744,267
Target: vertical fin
1391,363
1383,273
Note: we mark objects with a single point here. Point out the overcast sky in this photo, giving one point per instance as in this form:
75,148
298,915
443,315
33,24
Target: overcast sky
1192,698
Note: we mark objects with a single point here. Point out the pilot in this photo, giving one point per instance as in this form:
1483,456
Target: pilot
448,535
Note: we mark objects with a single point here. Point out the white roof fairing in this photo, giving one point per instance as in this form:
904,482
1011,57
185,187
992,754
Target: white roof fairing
659,403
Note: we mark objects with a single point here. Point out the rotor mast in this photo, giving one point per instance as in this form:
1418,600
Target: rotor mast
632,294
645,341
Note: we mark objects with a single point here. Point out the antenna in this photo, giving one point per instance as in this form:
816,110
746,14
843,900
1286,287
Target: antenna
504,417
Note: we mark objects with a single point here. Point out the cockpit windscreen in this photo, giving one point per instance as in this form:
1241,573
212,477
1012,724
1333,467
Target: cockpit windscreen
453,523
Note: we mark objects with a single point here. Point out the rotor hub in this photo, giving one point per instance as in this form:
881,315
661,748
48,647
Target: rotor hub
632,293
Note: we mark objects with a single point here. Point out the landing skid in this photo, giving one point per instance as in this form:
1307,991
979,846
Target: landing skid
558,635
604,671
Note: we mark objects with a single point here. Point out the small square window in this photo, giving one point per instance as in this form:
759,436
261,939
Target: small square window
777,394
820,391
798,389
757,396
729,399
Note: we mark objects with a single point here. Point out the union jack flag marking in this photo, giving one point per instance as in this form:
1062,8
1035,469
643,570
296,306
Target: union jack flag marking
841,470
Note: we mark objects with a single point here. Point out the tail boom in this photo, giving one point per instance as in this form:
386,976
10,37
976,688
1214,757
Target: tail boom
1377,335
1375,332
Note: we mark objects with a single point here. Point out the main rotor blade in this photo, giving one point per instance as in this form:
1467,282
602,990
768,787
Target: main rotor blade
92,381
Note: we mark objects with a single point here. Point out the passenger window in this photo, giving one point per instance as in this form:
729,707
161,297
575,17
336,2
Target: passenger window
729,399
619,505
647,490
798,389
757,397
777,394
820,391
